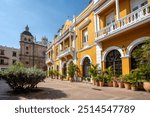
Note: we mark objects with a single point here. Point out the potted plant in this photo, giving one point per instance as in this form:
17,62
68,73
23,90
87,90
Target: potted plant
100,79
115,84
127,84
145,74
72,69
143,57
93,72
96,81
108,75
120,82
133,79
62,77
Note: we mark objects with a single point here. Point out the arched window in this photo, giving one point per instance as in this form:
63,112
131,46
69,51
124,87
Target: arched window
113,59
134,61
86,67
65,69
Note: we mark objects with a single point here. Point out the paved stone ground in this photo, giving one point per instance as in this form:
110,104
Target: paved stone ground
64,90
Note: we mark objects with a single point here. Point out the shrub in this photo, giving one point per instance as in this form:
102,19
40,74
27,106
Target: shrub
72,69
144,71
94,70
19,78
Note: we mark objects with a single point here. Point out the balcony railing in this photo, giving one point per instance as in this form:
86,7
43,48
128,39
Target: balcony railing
129,20
68,51
49,60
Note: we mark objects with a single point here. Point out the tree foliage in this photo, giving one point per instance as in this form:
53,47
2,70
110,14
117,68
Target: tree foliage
72,69
19,78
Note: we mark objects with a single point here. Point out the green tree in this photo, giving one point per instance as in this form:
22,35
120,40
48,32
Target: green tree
143,53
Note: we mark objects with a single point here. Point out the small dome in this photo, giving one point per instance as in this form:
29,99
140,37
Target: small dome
26,32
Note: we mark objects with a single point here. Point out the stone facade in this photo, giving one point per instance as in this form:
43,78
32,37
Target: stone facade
8,56
32,53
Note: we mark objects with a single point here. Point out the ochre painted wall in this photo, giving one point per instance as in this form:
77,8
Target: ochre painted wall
126,66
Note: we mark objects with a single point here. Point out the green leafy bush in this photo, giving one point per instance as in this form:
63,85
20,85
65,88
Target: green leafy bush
72,69
19,78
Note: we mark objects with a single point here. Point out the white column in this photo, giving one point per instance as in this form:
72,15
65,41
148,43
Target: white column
98,55
70,41
74,53
97,23
117,10
63,45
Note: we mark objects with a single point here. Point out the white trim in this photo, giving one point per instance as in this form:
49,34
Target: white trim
86,22
88,47
81,62
117,10
71,60
133,45
110,49
103,6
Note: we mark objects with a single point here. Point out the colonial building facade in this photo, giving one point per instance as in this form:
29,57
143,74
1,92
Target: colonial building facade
8,56
32,53
105,33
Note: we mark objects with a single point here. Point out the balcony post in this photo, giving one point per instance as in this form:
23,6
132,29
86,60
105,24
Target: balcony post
63,46
117,10
97,25
70,41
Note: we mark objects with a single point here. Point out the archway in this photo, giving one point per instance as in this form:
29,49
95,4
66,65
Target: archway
113,59
65,69
86,67
134,60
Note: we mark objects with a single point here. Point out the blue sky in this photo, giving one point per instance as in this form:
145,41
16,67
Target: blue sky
44,17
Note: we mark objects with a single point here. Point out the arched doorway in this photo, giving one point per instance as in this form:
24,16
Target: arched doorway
65,69
86,67
113,59
134,61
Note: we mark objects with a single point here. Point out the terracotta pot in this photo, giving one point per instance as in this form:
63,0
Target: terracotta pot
101,83
120,84
127,86
146,86
110,84
115,84
134,88
97,83
94,82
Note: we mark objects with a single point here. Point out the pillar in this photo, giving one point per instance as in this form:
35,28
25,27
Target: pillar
126,68
117,10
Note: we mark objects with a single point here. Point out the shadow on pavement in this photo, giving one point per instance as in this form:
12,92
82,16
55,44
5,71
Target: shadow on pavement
39,93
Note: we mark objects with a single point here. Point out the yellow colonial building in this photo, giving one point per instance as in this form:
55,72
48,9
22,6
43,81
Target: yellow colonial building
105,33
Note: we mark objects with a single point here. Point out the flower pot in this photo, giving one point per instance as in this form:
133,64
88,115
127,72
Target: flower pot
127,86
134,88
97,83
120,84
101,83
115,84
146,86
110,84
94,82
